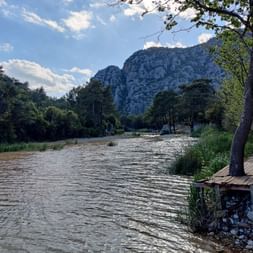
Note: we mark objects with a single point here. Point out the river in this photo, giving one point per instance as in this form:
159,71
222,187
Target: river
95,198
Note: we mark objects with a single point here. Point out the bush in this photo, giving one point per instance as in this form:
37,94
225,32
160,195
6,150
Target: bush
187,164
207,156
197,133
111,144
119,131
217,163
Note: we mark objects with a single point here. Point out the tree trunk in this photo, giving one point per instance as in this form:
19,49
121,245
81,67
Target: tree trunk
236,166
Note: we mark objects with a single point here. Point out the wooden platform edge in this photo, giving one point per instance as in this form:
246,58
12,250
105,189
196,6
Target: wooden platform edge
222,187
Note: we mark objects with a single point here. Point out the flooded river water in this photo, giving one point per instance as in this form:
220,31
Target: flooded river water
95,198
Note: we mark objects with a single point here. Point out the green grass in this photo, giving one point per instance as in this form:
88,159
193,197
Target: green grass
135,134
202,160
30,147
210,154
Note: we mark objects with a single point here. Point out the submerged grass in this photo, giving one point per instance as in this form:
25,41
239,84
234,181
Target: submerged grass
111,144
35,146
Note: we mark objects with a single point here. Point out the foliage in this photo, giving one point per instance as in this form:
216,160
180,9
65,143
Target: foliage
211,151
133,122
217,15
233,55
202,160
30,147
195,99
231,95
95,107
30,115
210,154
188,163
163,110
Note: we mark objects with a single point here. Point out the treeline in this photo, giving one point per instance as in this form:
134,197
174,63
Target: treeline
30,115
193,103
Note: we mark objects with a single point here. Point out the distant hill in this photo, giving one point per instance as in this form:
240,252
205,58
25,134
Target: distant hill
149,71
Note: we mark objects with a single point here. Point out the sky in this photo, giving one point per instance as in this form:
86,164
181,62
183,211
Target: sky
60,44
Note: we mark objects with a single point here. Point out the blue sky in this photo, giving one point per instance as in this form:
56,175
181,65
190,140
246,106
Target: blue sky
61,44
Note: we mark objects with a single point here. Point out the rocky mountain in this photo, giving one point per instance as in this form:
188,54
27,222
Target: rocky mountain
149,71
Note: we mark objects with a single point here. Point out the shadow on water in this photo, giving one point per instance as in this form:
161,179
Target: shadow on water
95,198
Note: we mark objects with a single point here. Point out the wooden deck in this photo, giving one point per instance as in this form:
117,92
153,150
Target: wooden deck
224,181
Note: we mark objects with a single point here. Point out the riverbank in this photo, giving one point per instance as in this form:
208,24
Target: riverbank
58,145
230,224
30,147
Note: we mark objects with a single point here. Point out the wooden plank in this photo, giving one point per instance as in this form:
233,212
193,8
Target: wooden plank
222,173
199,185
223,180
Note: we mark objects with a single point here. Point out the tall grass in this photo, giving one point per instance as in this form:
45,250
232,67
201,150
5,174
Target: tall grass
30,147
209,155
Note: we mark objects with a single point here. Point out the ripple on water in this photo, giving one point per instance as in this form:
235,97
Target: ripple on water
95,198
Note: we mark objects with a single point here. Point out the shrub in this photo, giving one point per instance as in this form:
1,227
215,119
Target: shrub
188,163
217,163
111,144
207,156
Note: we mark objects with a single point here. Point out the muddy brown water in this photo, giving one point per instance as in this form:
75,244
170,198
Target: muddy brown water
95,198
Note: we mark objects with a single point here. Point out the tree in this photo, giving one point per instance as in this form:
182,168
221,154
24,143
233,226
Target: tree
195,99
231,95
55,118
1,71
39,97
235,16
233,57
163,110
94,105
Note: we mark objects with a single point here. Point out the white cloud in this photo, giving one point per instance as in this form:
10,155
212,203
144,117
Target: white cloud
112,18
37,76
134,10
174,9
6,47
78,21
204,37
97,5
150,44
2,2
176,45
33,18
86,72
67,1
150,7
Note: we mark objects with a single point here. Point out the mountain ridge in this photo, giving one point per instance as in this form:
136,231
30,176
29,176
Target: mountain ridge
148,71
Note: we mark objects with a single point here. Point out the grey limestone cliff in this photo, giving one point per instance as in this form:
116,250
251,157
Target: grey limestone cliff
149,71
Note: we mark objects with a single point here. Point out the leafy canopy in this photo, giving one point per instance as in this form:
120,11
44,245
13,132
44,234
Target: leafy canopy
218,15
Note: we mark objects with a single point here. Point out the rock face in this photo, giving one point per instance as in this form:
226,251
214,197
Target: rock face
149,71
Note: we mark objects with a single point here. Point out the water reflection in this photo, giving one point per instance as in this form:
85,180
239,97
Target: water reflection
95,198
